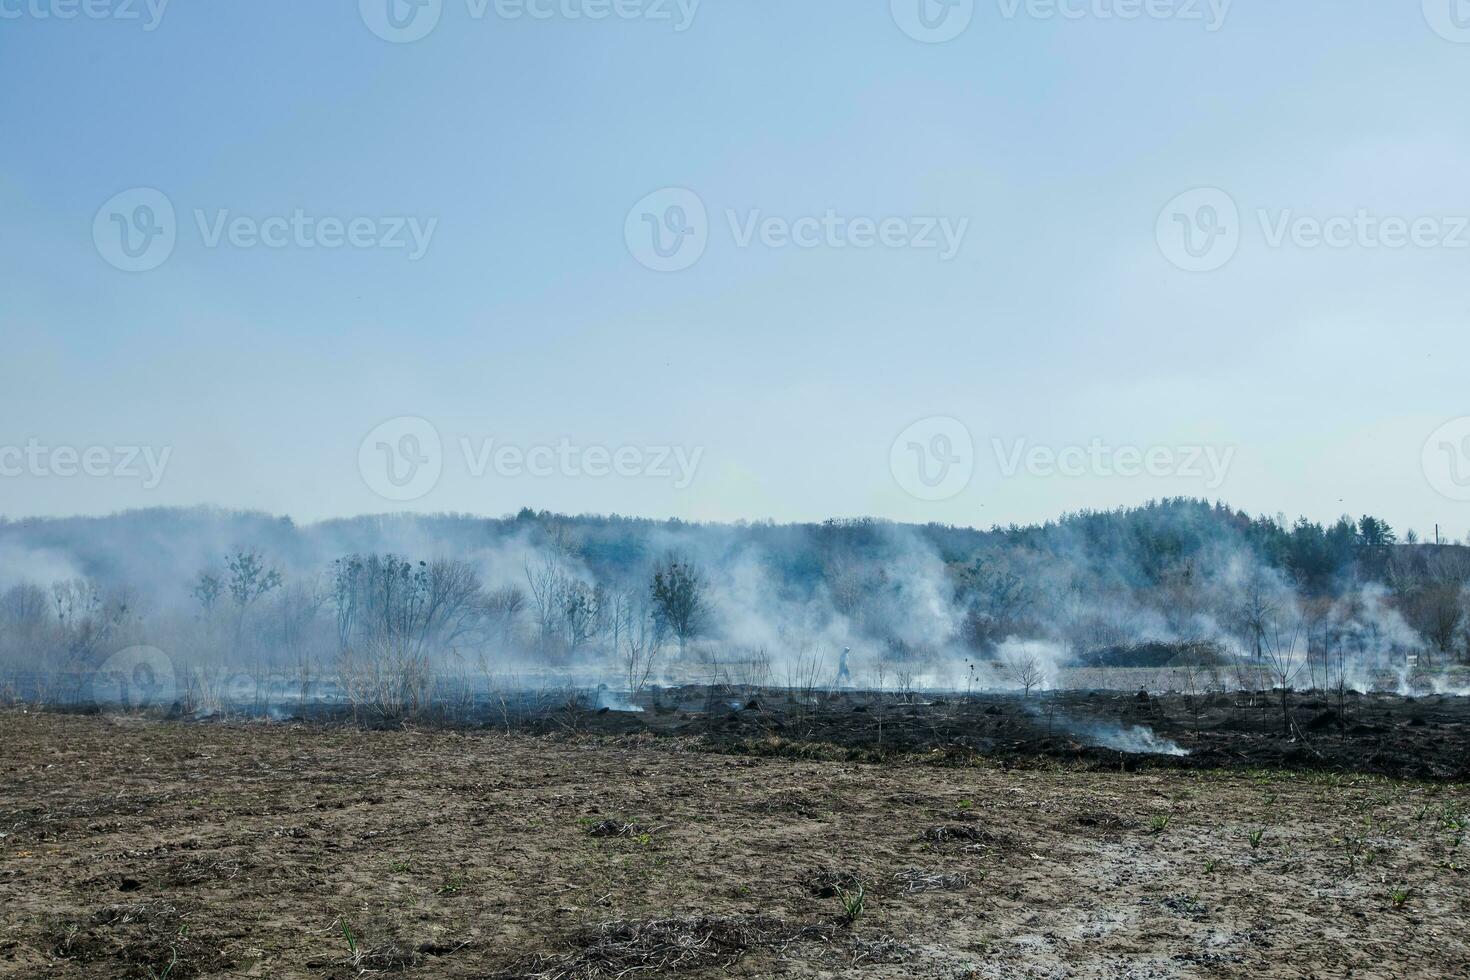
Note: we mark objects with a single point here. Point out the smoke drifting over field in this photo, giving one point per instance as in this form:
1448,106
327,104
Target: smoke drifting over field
1179,594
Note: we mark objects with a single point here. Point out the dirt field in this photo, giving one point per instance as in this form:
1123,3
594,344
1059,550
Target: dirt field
142,848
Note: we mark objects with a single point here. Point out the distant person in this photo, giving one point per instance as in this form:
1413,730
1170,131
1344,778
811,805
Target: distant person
844,676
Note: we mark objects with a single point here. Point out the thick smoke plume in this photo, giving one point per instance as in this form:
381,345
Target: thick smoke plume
393,613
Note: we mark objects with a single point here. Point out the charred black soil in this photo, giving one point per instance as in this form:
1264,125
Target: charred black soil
1409,737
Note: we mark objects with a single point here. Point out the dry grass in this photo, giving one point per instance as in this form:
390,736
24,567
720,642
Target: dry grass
663,946
220,851
915,880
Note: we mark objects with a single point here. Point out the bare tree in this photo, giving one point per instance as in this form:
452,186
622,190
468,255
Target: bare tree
1183,598
680,599
1025,668
87,621
1338,669
584,611
802,674
297,610
903,678
248,580
207,590
1197,683
1282,651
502,611
640,643
1429,586
419,606
1256,607
451,599
392,614
24,613
546,582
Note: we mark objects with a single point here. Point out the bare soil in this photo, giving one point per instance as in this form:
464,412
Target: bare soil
137,848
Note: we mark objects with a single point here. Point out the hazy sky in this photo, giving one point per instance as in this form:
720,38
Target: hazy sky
566,243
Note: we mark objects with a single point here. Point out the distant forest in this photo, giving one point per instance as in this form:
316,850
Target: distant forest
227,589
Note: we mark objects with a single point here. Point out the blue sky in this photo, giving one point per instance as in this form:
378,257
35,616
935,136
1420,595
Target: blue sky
1060,322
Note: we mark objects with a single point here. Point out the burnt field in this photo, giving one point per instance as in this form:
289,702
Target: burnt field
1414,737
773,840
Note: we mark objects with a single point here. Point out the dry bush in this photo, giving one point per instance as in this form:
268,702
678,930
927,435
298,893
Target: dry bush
914,880
616,828
662,946
825,882
973,837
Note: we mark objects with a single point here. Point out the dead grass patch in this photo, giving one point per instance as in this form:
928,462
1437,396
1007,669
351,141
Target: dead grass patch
616,828
972,837
663,946
141,939
825,882
915,880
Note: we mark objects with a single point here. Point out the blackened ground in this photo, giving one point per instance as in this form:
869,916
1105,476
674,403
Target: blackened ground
1384,734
